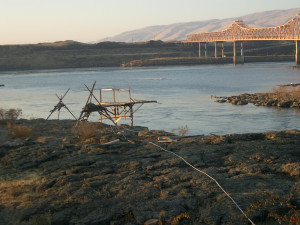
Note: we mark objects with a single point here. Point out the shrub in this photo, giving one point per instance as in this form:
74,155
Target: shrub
182,131
287,92
84,130
19,131
10,114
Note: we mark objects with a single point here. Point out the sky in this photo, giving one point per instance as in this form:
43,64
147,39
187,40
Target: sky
37,21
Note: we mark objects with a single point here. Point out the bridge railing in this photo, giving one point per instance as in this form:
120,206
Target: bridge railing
239,31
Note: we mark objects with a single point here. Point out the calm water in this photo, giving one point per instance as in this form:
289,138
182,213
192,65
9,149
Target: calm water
183,92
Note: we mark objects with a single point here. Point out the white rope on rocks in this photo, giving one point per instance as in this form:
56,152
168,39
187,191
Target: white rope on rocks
200,171
210,177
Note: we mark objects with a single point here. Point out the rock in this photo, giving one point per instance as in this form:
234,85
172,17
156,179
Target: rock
293,169
271,103
265,99
221,100
242,102
295,105
134,183
151,222
14,144
286,104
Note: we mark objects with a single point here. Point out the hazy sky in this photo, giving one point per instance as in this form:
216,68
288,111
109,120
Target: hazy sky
34,21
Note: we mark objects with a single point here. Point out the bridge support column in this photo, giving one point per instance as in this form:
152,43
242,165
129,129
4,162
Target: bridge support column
205,52
216,49
238,59
297,55
222,49
199,55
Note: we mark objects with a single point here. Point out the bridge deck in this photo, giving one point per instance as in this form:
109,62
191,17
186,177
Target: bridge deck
239,31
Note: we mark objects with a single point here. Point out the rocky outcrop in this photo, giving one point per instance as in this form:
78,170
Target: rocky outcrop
282,100
56,176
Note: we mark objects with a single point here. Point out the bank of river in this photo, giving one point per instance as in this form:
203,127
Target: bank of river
54,172
168,61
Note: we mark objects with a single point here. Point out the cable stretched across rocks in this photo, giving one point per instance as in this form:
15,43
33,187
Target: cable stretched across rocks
200,171
210,177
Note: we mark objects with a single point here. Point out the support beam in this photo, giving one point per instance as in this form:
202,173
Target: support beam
242,49
205,53
216,49
237,59
297,55
222,49
199,49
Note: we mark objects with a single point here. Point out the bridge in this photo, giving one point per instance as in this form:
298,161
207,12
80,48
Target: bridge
239,32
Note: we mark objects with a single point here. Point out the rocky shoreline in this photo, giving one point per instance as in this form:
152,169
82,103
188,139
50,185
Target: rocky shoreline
57,172
282,99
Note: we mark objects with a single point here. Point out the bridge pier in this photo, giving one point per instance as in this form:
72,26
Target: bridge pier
297,55
216,49
238,59
200,53
222,49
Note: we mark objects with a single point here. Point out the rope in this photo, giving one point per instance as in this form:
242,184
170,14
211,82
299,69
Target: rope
210,177
200,171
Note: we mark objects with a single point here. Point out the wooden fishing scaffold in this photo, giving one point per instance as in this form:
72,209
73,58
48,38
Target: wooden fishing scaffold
60,105
113,110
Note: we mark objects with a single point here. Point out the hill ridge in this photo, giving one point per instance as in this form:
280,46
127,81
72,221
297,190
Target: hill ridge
178,31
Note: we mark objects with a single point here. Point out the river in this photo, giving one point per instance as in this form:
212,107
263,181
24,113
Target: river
183,92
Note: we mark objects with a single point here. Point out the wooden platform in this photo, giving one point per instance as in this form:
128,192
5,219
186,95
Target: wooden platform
112,110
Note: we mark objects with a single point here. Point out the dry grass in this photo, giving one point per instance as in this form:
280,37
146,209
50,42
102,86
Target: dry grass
180,217
182,131
175,220
18,192
287,93
277,208
10,114
84,131
19,131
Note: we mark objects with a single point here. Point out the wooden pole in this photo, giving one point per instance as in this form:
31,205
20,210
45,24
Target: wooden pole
115,109
129,95
297,55
131,115
100,95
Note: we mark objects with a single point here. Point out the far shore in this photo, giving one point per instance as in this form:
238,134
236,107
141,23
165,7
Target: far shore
71,54
203,60
171,61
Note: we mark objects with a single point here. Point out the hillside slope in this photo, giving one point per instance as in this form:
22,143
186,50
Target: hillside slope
179,31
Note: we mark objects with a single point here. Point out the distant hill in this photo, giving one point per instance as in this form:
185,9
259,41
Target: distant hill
179,31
